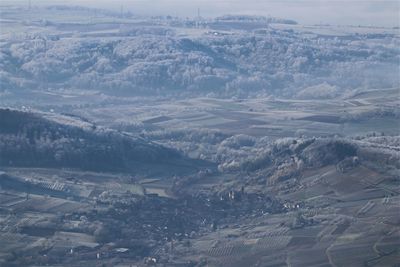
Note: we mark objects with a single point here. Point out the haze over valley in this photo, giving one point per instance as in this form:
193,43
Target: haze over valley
214,139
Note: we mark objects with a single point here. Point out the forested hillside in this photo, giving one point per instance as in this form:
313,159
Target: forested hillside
231,55
29,140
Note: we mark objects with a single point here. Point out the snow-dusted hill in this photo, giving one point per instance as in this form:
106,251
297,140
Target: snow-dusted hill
233,55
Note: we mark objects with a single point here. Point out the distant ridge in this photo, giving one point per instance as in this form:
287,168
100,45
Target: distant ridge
253,18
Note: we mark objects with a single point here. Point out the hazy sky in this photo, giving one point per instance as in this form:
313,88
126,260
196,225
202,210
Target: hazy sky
355,12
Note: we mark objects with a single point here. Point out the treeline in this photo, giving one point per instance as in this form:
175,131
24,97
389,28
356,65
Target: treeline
29,140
